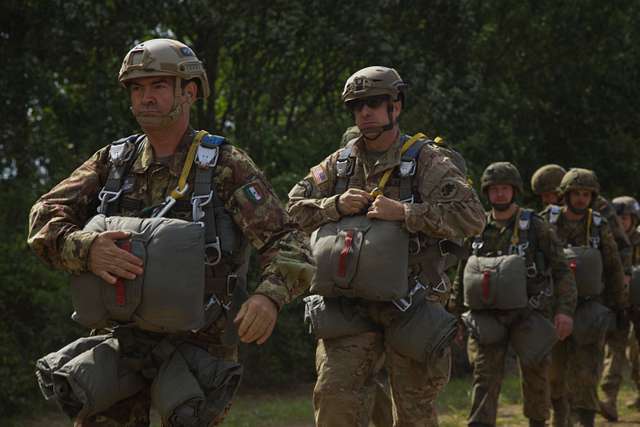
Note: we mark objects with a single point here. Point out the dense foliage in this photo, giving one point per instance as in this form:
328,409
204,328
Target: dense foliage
531,82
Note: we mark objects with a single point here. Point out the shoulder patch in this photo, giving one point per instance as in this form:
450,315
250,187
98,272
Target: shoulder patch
448,190
254,193
319,175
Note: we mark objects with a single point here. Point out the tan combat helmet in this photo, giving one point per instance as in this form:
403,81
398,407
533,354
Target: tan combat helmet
372,81
627,205
164,57
504,173
547,179
580,179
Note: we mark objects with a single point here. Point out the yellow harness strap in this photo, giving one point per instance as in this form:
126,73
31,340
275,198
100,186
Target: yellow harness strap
589,219
515,237
178,193
379,190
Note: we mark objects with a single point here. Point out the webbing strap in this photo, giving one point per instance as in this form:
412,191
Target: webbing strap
408,169
344,167
379,190
109,195
178,192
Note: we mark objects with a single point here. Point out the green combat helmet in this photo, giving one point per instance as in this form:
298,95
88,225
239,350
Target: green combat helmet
164,57
547,179
627,205
579,179
504,173
373,81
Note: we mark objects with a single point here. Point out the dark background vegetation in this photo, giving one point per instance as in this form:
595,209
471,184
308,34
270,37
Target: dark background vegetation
530,82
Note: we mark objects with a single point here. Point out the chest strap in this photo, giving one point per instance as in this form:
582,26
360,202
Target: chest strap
204,201
345,165
594,221
408,168
122,154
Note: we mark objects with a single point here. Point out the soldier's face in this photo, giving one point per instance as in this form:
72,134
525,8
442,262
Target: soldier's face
550,198
371,112
500,194
151,95
628,222
580,199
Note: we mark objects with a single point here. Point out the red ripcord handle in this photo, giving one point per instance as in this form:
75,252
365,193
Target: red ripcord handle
486,281
348,242
121,294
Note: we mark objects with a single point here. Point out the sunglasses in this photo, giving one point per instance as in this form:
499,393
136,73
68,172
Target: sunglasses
371,102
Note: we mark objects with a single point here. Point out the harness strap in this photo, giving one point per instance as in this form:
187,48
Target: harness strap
121,157
408,168
379,190
344,167
594,221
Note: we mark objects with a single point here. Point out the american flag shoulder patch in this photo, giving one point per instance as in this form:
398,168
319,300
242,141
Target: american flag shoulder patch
319,175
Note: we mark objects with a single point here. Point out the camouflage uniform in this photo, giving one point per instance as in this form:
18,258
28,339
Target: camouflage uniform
575,369
346,366
57,218
617,340
488,360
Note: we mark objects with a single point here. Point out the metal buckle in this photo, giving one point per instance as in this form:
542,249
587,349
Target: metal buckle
410,199
344,167
197,202
443,251
403,304
534,301
115,153
215,245
476,245
595,242
231,277
107,197
206,157
440,288
520,249
414,245
532,270
407,168
169,202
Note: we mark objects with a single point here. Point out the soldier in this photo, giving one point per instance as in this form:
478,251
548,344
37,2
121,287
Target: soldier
545,182
164,78
628,211
593,256
421,198
515,280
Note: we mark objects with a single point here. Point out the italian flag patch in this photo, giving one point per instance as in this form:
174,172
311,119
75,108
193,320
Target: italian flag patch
254,193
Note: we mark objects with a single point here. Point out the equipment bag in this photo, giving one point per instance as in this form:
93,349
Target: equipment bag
193,388
634,287
360,257
89,382
167,297
586,264
495,282
532,338
423,332
591,322
334,317
484,327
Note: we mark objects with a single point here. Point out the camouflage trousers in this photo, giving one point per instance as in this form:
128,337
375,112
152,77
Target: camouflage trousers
134,411
633,356
614,362
488,362
345,388
575,371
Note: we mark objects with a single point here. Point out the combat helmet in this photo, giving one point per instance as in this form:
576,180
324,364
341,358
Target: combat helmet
627,205
504,173
372,81
579,179
164,57
547,179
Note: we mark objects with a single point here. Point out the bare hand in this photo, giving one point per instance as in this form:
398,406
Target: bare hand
256,319
387,209
563,325
353,201
109,262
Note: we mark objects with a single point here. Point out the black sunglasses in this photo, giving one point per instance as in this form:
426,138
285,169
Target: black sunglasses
371,102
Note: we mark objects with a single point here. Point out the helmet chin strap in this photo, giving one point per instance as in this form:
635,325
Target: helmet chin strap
376,131
577,211
164,120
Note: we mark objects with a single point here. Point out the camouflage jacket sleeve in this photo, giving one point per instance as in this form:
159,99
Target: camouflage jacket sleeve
57,218
450,207
311,201
614,292
284,256
564,285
